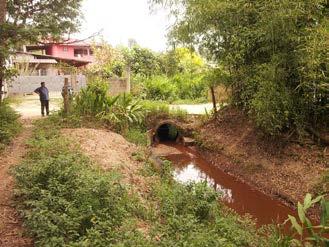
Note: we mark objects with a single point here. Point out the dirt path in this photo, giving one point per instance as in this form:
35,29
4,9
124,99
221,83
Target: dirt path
11,230
29,106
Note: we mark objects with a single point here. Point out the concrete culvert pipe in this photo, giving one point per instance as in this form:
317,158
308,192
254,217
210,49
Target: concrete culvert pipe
167,132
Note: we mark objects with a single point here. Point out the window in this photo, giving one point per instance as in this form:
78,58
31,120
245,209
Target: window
43,72
65,49
91,52
78,52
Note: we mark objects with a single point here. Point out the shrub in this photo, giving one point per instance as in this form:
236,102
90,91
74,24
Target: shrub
183,86
120,111
9,124
272,108
190,86
67,202
160,88
93,99
124,112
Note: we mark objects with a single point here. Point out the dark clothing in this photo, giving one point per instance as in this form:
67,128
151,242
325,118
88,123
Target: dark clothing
43,93
44,104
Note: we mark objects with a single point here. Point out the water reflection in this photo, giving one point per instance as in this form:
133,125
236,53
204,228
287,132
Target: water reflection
191,173
191,167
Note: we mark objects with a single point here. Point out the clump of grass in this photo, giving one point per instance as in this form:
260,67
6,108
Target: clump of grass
9,124
155,110
137,136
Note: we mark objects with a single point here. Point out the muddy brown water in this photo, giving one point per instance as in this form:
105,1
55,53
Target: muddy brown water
190,166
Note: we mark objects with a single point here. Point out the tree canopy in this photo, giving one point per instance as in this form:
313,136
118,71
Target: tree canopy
276,53
34,20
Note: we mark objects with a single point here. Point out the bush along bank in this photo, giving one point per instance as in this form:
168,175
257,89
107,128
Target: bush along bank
66,201
9,124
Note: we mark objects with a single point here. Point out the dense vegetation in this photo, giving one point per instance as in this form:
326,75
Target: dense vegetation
168,76
276,54
9,124
67,201
122,112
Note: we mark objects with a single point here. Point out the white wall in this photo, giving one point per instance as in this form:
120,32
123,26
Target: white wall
27,84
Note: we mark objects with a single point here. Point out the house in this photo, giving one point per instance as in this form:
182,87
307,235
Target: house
45,59
33,65
69,50
49,62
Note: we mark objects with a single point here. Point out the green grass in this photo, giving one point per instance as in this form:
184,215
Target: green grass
137,136
9,124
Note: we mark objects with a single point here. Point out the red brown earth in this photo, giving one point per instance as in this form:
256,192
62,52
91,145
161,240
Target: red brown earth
278,167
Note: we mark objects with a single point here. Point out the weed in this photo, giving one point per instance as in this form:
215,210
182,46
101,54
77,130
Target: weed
137,136
9,124
316,234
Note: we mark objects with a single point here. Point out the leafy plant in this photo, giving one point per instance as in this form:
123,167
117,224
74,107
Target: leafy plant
93,99
306,233
125,111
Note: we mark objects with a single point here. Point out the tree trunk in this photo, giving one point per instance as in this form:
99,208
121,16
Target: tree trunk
3,11
213,97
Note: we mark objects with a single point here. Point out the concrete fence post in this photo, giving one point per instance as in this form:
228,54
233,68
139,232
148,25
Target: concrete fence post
65,94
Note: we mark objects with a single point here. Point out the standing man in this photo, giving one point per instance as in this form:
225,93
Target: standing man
44,98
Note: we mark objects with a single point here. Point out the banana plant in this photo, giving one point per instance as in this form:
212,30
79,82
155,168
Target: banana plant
124,112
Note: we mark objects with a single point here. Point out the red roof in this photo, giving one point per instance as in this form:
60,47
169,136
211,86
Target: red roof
73,62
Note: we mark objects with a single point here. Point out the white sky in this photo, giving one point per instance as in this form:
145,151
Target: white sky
124,19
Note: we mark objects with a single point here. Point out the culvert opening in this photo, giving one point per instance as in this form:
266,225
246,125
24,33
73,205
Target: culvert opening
167,132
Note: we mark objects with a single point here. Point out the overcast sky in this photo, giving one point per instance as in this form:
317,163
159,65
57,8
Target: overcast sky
124,19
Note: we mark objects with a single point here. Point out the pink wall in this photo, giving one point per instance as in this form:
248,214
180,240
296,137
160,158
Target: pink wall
65,51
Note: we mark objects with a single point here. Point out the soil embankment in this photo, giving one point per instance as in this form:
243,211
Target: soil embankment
284,169
11,230
111,152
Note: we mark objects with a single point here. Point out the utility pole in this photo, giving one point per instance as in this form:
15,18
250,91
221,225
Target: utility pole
3,12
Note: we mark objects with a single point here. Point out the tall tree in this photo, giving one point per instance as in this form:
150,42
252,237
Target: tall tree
276,52
31,21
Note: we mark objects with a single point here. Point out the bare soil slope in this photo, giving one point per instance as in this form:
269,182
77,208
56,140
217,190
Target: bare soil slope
112,152
280,168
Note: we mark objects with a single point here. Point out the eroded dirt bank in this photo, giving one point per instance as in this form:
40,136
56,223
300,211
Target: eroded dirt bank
287,170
